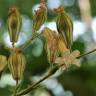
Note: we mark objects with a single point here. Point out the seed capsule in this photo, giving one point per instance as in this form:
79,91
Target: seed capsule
40,17
65,27
3,62
51,44
61,46
16,63
14,24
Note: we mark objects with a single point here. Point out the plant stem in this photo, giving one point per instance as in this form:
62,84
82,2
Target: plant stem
16,88
27,90
30,40
51,72
31,87
86,53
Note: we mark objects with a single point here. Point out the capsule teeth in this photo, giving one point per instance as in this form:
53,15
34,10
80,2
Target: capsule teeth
16,63
14,24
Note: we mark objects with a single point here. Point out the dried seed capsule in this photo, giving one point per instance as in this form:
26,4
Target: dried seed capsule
61,46
51,44
3,62
40,17
16,63
14,24
65,27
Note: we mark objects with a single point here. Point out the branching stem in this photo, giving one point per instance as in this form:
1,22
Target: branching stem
31,87
30,40
50,73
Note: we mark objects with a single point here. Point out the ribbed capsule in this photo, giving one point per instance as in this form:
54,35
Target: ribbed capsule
14,24
16,64
51,44
64,27
40,17
61,46
3,62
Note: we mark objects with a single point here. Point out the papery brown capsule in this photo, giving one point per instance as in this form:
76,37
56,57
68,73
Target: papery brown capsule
16,63
61,46
40,17
3,62
51,45
65,27
14,24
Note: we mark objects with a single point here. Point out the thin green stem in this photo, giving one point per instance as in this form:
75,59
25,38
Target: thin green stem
27,90
30,40
86,53
30,88
16,88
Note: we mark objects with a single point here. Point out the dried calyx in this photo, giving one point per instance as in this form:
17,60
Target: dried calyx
40,17
58,45
16,63
57,52
51,44
64,27
14,24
